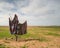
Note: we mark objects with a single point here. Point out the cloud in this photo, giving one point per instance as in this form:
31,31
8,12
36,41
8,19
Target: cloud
42,7
36,12
6,6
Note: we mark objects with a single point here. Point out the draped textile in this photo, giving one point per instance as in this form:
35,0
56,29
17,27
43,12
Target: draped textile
16,27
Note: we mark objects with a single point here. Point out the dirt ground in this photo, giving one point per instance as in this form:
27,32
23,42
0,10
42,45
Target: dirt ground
52,43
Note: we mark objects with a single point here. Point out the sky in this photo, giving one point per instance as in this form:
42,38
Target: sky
36,12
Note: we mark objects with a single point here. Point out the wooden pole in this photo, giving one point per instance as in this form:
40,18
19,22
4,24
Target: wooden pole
16,37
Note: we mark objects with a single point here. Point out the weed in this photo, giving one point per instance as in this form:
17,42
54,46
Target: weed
54,34
2,46
24,46
43,39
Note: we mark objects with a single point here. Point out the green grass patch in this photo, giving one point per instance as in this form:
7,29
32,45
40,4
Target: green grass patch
2,46
24,46
42,39
53,34
32,32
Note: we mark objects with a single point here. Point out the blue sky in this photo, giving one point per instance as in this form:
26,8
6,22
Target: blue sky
36,12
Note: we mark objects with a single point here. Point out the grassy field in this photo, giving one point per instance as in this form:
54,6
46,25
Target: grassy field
36,37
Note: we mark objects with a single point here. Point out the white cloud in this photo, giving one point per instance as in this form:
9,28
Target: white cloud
36,12
36,7
4,6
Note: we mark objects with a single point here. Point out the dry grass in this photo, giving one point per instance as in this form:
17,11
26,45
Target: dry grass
37,37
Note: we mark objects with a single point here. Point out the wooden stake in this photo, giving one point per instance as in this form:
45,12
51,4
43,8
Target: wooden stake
16,37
